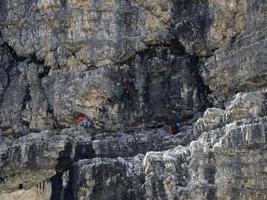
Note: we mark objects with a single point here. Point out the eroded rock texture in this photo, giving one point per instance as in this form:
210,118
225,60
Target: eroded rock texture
123,63
240,64
133,66
227,161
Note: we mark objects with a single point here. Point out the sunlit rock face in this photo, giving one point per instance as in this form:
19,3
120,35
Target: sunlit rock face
225,162
133,67
240,63
42,191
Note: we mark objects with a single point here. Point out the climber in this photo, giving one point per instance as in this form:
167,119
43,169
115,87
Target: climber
174,126
84,121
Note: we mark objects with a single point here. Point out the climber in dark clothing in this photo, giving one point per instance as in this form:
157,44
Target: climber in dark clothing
174,125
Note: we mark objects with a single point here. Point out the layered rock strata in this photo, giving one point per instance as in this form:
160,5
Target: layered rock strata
133,66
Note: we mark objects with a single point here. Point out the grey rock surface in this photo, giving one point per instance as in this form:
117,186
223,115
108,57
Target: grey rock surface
39,156
133,67
227,161
120,178
240,64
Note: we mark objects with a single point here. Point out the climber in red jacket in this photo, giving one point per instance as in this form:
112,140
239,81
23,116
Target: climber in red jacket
174,126
84,121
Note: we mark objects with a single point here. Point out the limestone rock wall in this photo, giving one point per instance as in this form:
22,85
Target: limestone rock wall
240,64
117,61
227,161
131,66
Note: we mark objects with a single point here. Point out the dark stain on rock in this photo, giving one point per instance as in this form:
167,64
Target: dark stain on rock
209,172
211,195
27,97
44,73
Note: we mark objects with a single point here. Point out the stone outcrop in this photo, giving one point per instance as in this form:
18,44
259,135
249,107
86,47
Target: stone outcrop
39,156
227,161
132,67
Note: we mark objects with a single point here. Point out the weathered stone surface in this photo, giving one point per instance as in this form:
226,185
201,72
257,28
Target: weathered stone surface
240,64
36,157
132,67
120,178
41,192
90,32
140,92
107,59
226,162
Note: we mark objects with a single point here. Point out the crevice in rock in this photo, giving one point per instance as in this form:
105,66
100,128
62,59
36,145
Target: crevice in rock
84,151
27,97
150,50
1,36
68,189
35,60
17,58
64,162
44,73
14,55
20,186
10,72
57,186
203,90
211,194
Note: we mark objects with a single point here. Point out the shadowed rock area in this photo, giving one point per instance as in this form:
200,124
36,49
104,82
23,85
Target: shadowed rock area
133,67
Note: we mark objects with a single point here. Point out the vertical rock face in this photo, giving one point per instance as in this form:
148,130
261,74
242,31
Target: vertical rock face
226,162
242,55
116,61
133,67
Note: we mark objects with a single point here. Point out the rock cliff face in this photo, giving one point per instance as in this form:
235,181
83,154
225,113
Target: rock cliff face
132,66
